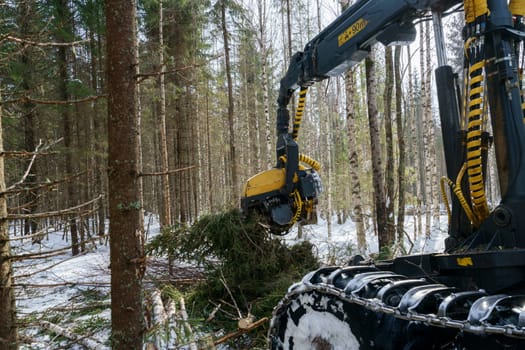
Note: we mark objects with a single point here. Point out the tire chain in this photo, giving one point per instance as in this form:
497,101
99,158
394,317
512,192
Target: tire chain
375,305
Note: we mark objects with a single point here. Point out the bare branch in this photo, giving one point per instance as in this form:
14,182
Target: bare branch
168,172
21,154
49,253
51,266
40,44
72,210
28,170
27,99
143,76
43,185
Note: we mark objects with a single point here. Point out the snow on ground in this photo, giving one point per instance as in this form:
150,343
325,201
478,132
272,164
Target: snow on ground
73,292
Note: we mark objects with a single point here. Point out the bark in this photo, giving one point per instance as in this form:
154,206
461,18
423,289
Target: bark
29,115
400,230
356,200
329,135
165,217
389,172
430,178
8,329
126,246
234,180
289,28
377,163
72,197
434,181
99,130
420,167
263,48
209,158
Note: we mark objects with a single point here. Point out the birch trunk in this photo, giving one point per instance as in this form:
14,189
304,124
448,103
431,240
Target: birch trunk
356,202
377,163
401,183
427,173
389,173
434,181
432,194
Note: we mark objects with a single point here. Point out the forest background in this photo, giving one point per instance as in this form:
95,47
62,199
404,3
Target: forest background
207,77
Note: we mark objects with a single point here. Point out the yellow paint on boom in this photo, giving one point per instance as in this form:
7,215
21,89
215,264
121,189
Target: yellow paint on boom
467,261
351,31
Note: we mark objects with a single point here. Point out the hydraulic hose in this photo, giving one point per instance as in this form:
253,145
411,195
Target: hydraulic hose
477,105
311,162
456,189
299,113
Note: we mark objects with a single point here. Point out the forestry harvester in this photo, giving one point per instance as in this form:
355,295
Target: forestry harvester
472,295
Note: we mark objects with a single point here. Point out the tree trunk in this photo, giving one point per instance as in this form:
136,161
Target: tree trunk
29,115
97,82
377,163
234,184
401,144
356,201
165,217
263,48
389,176
8,330
431,207
434,181
64,18
424,153
289,28
355,183
208,153
126,246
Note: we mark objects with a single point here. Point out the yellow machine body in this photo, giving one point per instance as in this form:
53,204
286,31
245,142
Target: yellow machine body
264,182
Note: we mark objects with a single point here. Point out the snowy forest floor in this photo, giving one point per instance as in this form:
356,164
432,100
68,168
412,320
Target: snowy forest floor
73,293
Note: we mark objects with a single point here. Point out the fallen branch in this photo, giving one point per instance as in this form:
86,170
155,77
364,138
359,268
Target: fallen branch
240,332
85,341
